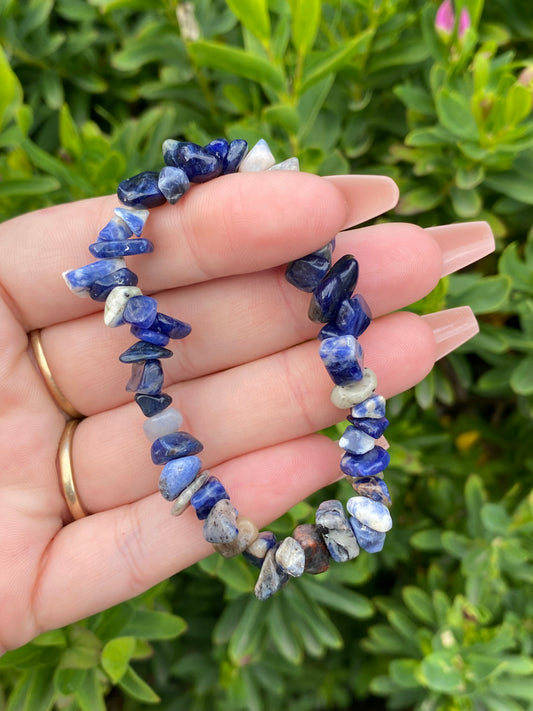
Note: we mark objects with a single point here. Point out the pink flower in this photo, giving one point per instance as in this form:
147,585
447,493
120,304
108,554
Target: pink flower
445,19
464,22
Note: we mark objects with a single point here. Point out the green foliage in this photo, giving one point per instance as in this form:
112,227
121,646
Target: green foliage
441,619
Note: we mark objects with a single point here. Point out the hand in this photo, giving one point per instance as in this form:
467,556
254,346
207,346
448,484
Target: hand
248,379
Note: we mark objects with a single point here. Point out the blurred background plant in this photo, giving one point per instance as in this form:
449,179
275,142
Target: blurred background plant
438,96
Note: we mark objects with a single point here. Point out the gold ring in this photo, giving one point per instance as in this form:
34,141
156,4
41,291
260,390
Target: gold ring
42,364
66,473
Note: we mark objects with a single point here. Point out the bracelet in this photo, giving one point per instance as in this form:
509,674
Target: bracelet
345,316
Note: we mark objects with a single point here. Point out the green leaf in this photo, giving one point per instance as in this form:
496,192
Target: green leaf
338,598
136,687
517,104
282,115
11,92
419,200
466,203
310,103
281,633
238,61
39,185
519,271
254,16
516,688
513,184
53,638
427,540
439,673
248,630
455,115
33,690
468,178
116,657
486,295
404,673
425,391
151,624
68,133
89,694
68,680
475,498
419,603
305,23
522,377
415,98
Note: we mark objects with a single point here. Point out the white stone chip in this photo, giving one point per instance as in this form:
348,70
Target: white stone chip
259,158
162,423
345,396
289,164
116,303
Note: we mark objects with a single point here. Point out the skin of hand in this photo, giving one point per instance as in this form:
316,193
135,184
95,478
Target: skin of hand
248,380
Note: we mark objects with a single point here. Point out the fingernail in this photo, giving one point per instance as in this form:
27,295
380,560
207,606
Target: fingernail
462,243
452,328
367,196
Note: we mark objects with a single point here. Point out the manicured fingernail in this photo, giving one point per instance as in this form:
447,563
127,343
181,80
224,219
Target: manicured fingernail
367,196
452,328
462,243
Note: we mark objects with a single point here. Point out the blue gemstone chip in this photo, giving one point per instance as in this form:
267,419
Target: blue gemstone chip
236,152
307,272
152,404
142,350
150,336
336,286
174,446
146,377
176,476
140,311
369,464
101,288
199,164
343,359
219,147
141,190
123,248
173,183
207,496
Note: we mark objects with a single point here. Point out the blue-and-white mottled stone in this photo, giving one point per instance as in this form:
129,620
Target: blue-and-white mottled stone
369,464
290,557
171,327
307,272
184,499
271,577
259,158
369,425
199,164
343,359
207,496
336,531
115,230
336,286
236,152
370,513
345,396
373,407
353,318
162,423
371,541
80,280
140,311
221,524
373,488
289,164
141,190
356,442
173,183
255,553
178,474
174,446
150,336
101,288
219,147
124,248
146,378
135,219
247,533
142,350
115,304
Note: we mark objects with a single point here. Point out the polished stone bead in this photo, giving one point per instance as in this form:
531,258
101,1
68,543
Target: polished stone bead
126,248
373,408
184,499
289,164
80,280
199,164
290,557
236,152
150,336
271,577
174,446
373,488
140,311
370,426
146,377
258,158
115,304
316,553
371,541
134,218
336,286
151,404
344,396
162,423
336,531
352,318
255,553
221,524
219,147
176,475
343,359
307,272
369,464
101,288
142,350
141,190
356,442
370,513
173,183
115,230
171,327
247,535
207,496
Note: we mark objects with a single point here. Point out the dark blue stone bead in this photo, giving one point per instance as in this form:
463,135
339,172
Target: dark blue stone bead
140,311
219,148
146,377
141,190
207,496
150,336
373,488
152,404
307,273
371,541
115,230
354,316
337,285
343,359
81,279
370,426
144,351
173,183
124,248
100,289
236,152
369,464
171,327
133,217
176,476
174,446
199,164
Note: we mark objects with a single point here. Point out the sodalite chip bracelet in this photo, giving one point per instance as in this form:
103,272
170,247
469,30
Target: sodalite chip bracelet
345,317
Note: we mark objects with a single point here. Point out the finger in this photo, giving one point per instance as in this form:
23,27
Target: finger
236,224
240,318
279,398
